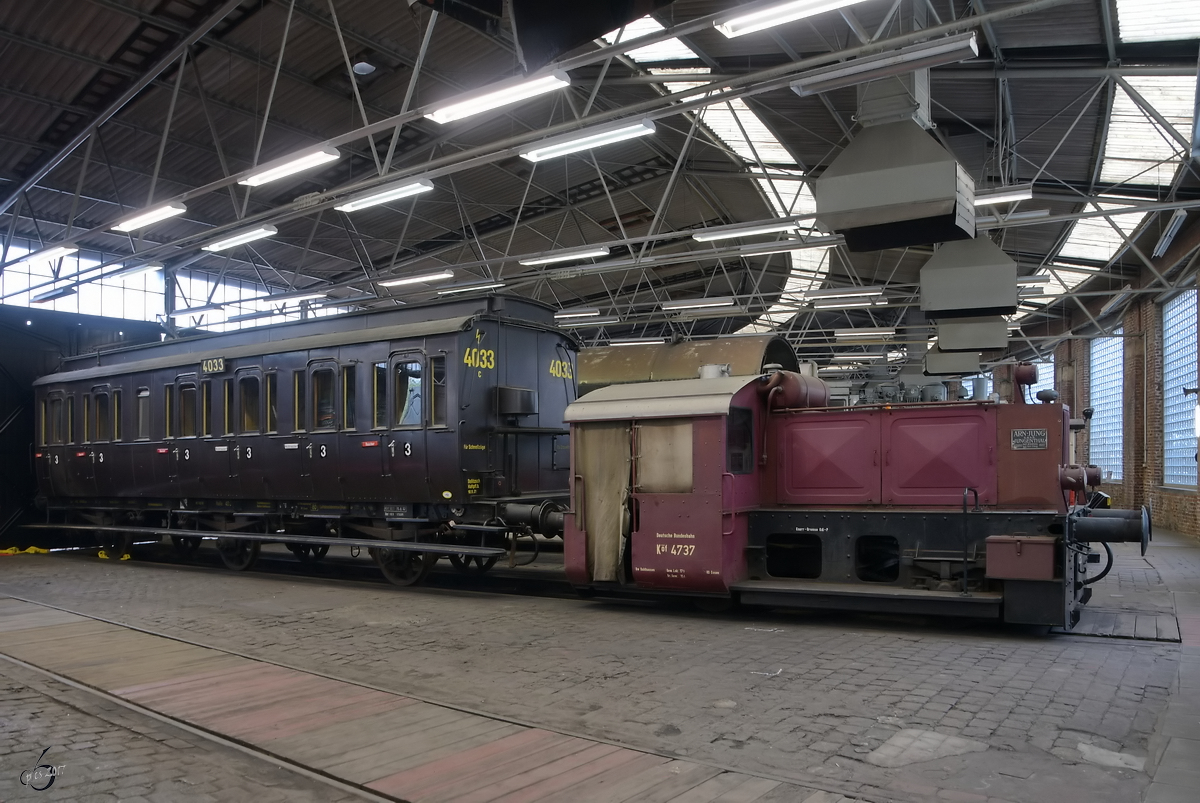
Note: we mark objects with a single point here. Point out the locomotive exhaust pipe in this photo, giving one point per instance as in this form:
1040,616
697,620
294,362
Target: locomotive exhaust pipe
1113,527
545,518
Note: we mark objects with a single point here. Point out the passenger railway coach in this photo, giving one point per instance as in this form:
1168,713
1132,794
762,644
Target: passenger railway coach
425,425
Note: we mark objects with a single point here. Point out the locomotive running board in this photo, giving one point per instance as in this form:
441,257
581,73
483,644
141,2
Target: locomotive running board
851,597
281,538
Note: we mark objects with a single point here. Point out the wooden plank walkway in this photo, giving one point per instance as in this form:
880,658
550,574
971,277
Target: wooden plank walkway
392,744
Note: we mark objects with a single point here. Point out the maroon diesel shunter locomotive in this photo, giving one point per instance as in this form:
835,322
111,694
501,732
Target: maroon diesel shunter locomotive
437,428
750,487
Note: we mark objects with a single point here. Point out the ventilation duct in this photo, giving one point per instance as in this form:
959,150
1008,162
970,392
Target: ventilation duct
895,186
970,278
951,363
972,334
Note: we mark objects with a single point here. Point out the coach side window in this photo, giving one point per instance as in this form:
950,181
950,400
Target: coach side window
56,420
408,394
227,395
169,411
248,394
349,397
272,402
143,414
87,415
379,396
437,391
116,405
298,401
70,419
187,410
103,419
324,414
206,408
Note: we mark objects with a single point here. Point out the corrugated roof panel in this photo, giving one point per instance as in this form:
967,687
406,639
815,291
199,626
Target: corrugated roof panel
1158,20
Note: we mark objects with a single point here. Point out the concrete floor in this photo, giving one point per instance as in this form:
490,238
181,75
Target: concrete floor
874,707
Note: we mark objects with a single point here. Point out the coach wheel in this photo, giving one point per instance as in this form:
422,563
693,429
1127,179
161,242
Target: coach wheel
472,564
186,545
237,554
401,567
309,553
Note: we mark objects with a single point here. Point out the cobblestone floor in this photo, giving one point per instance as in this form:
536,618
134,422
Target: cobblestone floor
794,695
109,753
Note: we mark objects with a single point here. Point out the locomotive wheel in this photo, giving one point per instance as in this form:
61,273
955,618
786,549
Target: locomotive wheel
307,553
237,554
472,564
186,545
403,568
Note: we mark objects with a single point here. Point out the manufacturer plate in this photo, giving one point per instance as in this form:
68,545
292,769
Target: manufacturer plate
1026,440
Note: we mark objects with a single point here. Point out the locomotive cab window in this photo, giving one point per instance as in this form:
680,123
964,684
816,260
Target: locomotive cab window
408,393
349,397
739,441
323,407
103,419
143,414
187,410
249,400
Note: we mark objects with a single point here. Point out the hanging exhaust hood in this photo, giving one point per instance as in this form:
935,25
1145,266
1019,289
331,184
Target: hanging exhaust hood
894,186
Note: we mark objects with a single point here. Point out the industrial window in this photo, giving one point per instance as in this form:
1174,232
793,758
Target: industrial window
298,401
228,396
272,401
324,416
1179,372
87,415
143,414
249,401
1045,379
379,383
438,401
349,375
187,410
168,409
116,405
206,408
56,421
103,418
408,394
739,441
1105,397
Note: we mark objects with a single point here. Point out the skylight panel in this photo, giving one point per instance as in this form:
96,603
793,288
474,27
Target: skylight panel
1158,20
670,50
1093,238
1137,150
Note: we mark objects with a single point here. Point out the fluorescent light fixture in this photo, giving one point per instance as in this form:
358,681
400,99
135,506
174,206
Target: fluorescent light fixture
567,256
638,341
180,313
289,165
858,357
778,15
857,71
696,303
587,140
1030,292
137,270
1124,293
52,295
842,368
142,219
1164,242
992,220
864,332
844,304
590,321
577,312
1026,280
730,232
440,276
241,238
843,292
496,98
467,288
251,316
393,193
291,299
1004,195
47,255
